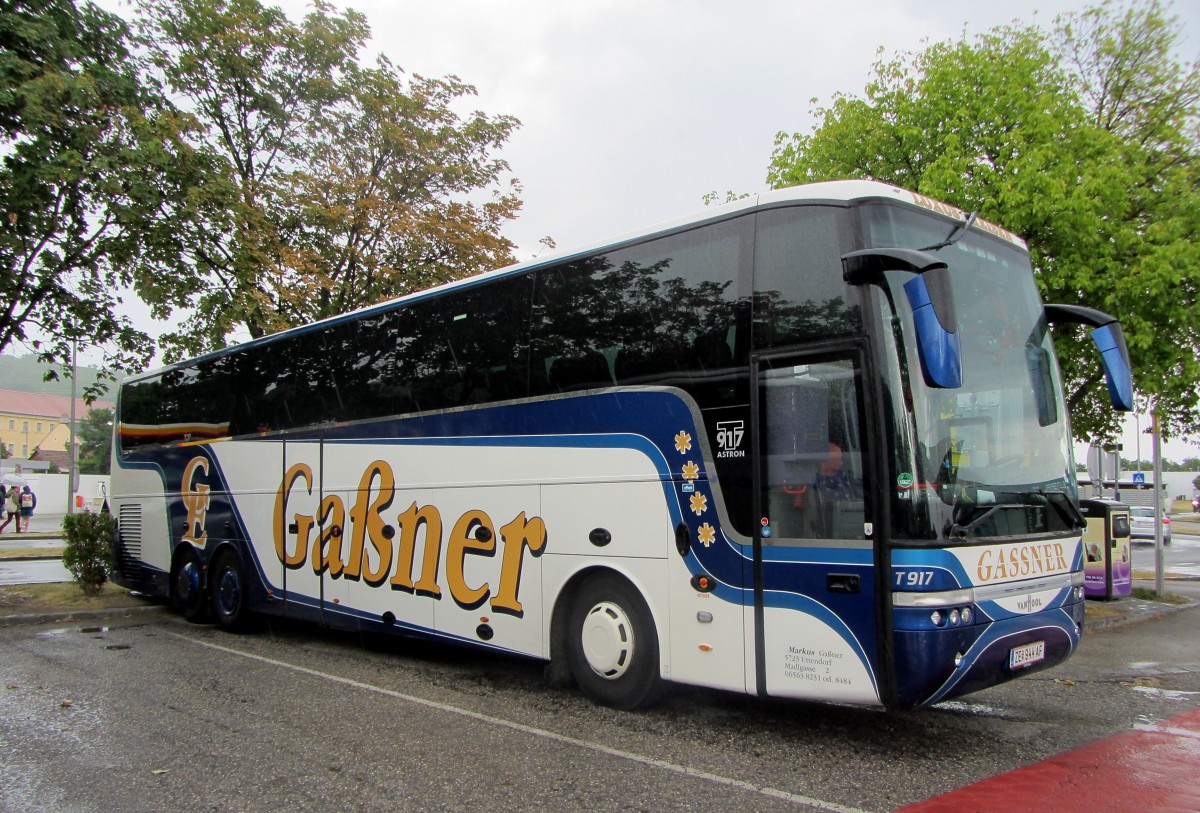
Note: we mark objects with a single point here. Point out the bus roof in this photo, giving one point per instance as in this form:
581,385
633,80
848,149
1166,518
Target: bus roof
824,192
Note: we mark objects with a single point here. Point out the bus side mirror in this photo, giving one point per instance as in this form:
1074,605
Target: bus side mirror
1110,340
932,301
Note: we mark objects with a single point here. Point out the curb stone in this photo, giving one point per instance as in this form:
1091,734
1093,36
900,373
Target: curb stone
1150,611
77,615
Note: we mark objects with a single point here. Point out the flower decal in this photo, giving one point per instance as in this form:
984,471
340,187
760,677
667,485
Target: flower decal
690,471
683,442
707,534
699,504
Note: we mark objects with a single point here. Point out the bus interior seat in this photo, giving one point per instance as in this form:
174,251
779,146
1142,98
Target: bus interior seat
589,369
652,366
712,351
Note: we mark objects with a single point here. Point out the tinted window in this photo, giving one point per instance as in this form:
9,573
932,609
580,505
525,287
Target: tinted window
469,349
192,403
367,376
285,384
799,294
660,312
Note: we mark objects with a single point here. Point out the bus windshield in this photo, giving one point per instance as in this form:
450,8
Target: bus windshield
991,458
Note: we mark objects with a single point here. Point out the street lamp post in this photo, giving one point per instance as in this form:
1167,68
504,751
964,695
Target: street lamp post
72,476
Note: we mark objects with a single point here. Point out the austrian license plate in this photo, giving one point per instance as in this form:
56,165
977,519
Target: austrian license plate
1026,654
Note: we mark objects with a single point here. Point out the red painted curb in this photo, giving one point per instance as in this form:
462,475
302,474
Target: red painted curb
1155,768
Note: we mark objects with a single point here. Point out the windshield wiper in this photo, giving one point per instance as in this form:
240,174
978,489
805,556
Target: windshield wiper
1064,507
1069,511
956,235
959,531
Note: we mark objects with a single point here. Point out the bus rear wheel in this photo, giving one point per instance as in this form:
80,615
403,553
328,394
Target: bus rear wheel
187,589
612,645
228,587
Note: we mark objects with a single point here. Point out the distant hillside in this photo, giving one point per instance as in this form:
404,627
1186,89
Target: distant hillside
25,374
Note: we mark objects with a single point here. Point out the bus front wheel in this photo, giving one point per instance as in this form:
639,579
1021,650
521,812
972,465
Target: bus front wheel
612,645
187,589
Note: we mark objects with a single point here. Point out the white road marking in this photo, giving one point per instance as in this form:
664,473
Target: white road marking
536,732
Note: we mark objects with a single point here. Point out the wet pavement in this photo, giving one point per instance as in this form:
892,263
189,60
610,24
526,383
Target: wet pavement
31,566
33,571
1158,760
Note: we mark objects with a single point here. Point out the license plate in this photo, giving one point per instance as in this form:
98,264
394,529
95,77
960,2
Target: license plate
1026,654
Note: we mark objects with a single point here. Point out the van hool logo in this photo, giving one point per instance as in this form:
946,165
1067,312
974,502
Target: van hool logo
196,499
729,438
321,541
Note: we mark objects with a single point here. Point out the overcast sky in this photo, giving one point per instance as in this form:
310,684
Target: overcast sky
632,110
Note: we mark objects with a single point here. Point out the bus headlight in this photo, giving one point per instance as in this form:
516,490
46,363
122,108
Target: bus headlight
937,618
954,617
967,615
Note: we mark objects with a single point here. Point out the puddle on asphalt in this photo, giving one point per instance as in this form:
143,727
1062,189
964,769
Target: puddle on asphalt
976,709
54,633
1164,694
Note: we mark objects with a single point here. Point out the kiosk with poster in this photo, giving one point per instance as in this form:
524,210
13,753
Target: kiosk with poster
1107,568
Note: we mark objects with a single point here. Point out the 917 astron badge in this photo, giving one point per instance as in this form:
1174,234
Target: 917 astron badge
729,438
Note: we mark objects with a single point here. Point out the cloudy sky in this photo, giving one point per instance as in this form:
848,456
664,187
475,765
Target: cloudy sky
632,110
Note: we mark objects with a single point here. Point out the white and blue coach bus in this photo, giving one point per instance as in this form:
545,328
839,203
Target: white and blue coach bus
811,445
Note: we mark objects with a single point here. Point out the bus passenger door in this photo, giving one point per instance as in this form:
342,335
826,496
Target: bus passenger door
815,565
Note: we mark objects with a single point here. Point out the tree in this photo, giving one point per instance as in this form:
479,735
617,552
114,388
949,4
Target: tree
95,442
340,185
90,164
1084,141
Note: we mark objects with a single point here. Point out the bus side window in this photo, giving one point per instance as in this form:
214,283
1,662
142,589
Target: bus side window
799,293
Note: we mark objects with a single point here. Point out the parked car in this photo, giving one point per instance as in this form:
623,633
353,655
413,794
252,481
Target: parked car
1141,525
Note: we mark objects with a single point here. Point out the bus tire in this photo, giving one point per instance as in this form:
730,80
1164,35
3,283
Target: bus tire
187,588
612,645
227,587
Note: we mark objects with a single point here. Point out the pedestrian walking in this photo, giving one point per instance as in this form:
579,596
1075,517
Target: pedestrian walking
28,503
12,509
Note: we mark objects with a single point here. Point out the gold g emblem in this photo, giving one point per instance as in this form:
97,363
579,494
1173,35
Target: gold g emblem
196,499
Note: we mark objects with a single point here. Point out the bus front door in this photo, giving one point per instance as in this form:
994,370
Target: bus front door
816,621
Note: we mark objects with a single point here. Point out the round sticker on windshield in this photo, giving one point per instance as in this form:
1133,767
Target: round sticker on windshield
904,480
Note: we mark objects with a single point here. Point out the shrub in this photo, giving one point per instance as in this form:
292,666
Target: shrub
88,549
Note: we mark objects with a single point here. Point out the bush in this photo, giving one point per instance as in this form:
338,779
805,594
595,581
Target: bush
88,549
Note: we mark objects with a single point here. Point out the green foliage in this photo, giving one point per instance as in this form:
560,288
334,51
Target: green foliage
88,549
328,185
1188,464
95,442
1084,141
86,168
